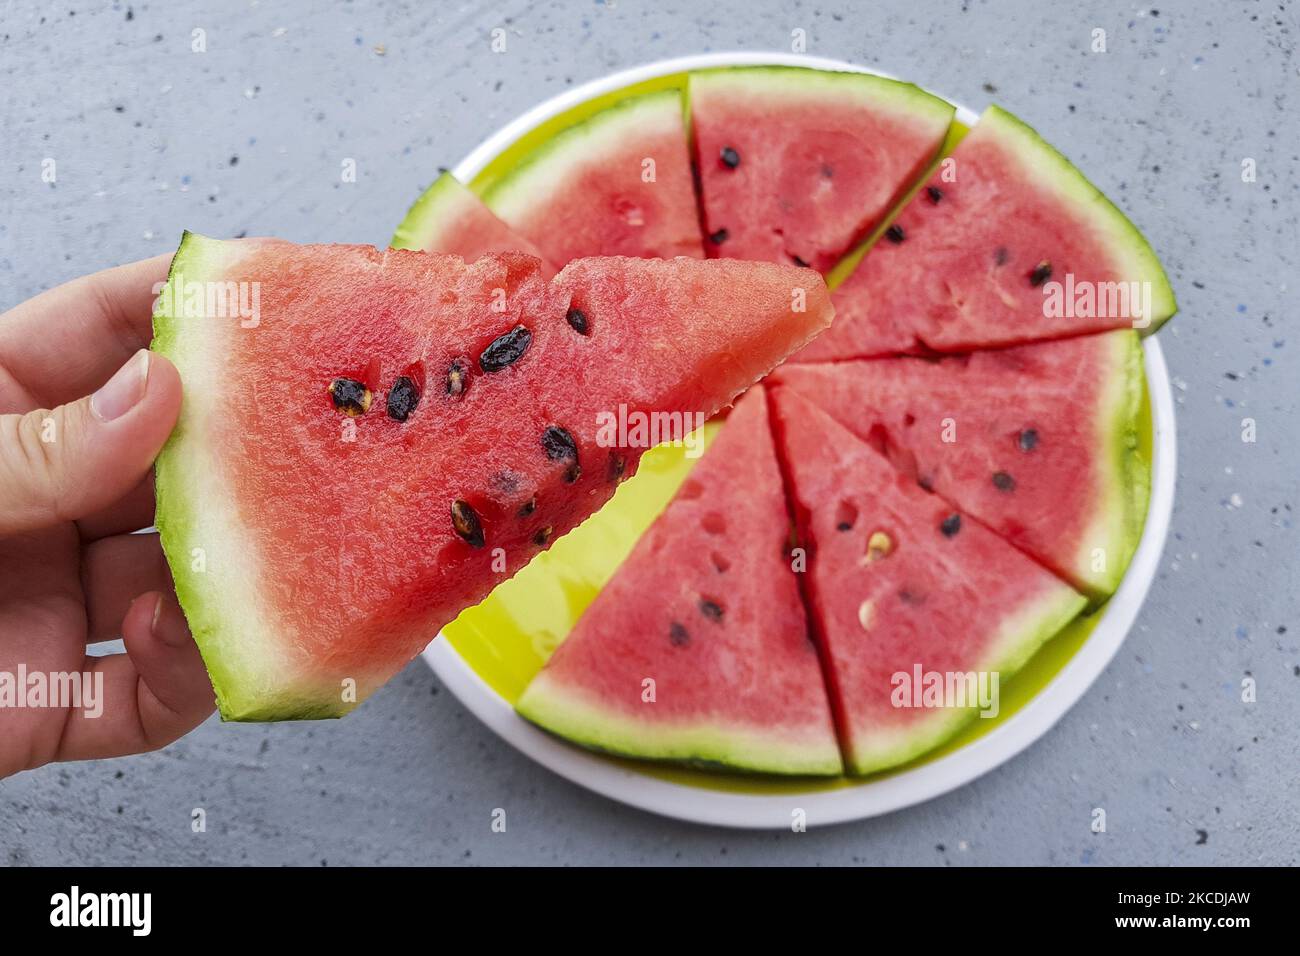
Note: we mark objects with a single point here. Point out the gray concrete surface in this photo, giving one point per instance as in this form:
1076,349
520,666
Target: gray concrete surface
151,138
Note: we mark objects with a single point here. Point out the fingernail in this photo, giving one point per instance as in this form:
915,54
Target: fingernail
169,625
124,390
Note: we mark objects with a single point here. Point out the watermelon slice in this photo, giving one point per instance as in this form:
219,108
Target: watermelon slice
616,184
708,609
389,434
1039,442
450,218
904,589
799,165
1007,243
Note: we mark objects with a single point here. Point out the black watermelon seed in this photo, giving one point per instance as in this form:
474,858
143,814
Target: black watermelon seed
558,443
1028,439
402,399
730,158
464,520
934,192
799,262
506,349
678,634
559,446
925,482
457,378
1003,482
1042,272
719,237
895,234
349,396
844,526
711,609
528,507
616,467
543,536
950,525
577,319
1000,256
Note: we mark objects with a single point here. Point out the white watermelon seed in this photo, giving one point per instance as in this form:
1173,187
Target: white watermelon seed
866,611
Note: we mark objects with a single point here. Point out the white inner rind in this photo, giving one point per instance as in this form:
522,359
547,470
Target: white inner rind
905,100
217,574
569,712
1020,635
1043,164
649,116
1120,509
442,206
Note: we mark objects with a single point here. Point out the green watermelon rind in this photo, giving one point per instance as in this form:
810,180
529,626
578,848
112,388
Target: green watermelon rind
534,175
1027,631
193,510
560,711
904,98
1047,165
1122,505
435,206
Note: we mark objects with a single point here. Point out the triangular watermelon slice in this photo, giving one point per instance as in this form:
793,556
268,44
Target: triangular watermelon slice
371,440
797,165
1006,243
697,649
616,184
1039,442
905,590
449,218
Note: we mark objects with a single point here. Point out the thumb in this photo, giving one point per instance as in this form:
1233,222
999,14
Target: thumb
62,464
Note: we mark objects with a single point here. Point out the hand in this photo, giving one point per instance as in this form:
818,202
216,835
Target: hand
74,482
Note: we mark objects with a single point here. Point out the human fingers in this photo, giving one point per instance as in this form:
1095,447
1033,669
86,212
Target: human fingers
79,458
153,694
114,572
67,341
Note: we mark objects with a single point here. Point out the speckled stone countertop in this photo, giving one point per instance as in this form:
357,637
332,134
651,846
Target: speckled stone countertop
248,137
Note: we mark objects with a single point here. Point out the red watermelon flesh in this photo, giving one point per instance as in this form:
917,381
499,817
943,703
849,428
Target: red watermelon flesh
449,218
799,165
617,184
903,586
319,540
707,608
1039,442
1007,243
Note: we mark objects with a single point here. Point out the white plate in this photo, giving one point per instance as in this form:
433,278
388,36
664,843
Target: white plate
872,797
